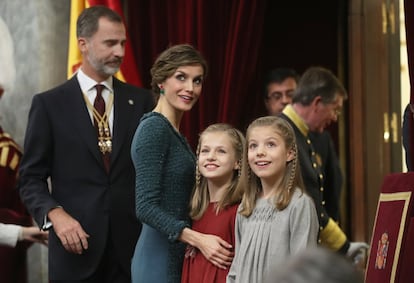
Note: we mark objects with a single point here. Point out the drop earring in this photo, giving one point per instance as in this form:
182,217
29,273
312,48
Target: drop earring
162,91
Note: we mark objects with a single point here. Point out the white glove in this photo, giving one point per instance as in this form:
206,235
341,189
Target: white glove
357,251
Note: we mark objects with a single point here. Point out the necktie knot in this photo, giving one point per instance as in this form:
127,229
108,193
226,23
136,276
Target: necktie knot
99,89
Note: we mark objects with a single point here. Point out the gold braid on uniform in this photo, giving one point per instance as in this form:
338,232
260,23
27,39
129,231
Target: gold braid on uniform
332,236
5,160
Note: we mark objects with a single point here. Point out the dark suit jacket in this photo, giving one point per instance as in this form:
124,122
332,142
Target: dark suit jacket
407,138
61,143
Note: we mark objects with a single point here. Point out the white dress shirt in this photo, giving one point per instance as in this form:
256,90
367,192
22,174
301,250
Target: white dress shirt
88,89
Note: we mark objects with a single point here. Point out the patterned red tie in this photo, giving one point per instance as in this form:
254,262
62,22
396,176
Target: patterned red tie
99,105
99,102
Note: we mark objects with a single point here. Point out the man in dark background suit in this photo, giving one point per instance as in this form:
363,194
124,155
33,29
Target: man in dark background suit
90,203
408,120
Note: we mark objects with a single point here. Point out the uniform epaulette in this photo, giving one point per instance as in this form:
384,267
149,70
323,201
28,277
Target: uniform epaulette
10,152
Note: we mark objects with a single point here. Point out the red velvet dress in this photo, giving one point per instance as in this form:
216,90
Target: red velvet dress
196,267
12,260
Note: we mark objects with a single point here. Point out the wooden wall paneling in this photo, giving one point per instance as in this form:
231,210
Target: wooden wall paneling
376,103
356,117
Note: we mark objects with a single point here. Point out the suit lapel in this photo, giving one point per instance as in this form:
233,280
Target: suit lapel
81,118
123,113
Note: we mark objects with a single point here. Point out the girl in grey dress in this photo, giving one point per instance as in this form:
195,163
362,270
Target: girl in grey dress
276,218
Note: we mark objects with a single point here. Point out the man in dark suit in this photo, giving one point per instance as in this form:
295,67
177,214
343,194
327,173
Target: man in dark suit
85,151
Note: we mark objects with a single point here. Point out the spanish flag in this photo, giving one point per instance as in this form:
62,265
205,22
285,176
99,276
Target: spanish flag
128,71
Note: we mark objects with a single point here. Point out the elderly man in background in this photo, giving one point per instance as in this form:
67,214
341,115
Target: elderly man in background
316,103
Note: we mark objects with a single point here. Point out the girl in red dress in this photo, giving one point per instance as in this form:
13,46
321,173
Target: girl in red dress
221,177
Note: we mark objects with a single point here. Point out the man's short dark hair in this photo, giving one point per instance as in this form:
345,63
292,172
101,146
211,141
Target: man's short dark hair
88,21
278,75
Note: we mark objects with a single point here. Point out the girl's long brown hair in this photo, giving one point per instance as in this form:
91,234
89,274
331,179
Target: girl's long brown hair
292,178
200,198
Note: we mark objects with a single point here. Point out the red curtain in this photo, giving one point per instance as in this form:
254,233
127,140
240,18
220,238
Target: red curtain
409,27
228,34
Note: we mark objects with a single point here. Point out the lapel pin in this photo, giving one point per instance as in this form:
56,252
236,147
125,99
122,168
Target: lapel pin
130,102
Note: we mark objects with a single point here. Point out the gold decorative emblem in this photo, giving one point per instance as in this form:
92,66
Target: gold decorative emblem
104,137
382,251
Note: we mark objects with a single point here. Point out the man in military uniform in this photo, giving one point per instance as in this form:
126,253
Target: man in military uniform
316,103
